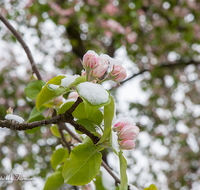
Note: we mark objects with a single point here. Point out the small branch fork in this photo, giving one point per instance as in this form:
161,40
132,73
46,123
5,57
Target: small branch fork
58,119
117,180
65,118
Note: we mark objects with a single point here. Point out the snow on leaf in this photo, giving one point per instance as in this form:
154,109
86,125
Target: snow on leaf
93,93
65,82
53,86
68,100
14,117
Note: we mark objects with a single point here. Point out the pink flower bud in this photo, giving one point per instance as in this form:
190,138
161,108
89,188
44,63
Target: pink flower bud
118,126
101,69
123,121
58,100
118,73
90,60
127,144
73,95
129,132
83,73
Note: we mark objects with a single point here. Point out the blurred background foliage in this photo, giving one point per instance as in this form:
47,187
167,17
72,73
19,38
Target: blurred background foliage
161,41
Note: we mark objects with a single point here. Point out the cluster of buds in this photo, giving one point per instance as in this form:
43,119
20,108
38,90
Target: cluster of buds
96,66
127,132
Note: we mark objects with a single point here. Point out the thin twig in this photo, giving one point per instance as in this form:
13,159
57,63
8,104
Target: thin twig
73,107
117,180
64,139
133,76
72,134
179,63
78,127
25,47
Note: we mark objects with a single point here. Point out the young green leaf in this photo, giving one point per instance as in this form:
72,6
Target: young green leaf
33,89
98,182
37,118
93,99
34,113
31,131
109,111
87,124
96,118
83,165
46,95
65,107
77,81
54,181
54,130
90,109
151,187
59,156
123,166
80,113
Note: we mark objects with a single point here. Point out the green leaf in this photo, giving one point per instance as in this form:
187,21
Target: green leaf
54,181
65,107
31,131
96,118
46,95
61,90
77,81
33,89
87,124
109,111
151,187
83,165
34,113
59,156
37,118
98,182
80,113
54,130
91,109
123,166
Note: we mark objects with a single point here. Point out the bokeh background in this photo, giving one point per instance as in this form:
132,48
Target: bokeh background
159,44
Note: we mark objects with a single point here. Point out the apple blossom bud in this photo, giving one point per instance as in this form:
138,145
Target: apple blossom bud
58,100
101,69
127,144
83,73
118,126
90,60
129,132
73,95
9,111
123,121
118,73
